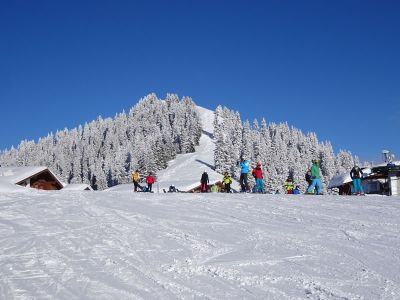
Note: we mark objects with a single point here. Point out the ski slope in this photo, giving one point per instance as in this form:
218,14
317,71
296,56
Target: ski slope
184,172
124,245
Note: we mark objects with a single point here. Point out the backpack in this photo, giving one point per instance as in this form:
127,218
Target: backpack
145,189
308,176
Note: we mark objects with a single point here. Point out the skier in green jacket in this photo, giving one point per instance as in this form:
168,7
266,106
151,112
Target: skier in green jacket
316,178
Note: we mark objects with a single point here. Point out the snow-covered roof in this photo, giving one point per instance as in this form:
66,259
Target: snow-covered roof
397,163
14,175
341,179
17,174
77,187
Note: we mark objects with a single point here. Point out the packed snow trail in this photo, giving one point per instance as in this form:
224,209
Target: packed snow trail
123,245
184,172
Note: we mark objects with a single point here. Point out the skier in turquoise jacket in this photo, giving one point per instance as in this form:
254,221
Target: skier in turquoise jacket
316,178
244,169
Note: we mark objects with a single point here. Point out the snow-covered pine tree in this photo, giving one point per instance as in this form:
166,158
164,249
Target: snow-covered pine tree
344,161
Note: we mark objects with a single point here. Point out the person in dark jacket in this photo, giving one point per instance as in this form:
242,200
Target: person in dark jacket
308,178
204,182
356,173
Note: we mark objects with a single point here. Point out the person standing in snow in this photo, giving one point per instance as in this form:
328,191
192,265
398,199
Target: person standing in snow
257,173
356,173
316,178
244,169
308,178
227,180
149,180
288,185
204,182
136,178
296,190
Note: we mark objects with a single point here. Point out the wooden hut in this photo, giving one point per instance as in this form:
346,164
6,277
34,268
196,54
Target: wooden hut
35,177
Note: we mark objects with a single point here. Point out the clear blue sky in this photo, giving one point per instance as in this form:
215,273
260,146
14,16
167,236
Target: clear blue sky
332,67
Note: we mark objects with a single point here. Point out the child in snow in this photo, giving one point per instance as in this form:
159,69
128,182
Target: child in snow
296,190
288,185
227,180
214,188
149,180
204,182
257,173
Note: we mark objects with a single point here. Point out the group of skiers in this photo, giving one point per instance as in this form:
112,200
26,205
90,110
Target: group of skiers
312,177
149,180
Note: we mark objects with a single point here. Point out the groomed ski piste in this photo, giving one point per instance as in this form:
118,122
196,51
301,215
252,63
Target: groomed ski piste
185,171
123,245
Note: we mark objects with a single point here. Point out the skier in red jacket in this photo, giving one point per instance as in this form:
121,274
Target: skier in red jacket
257,173
149,180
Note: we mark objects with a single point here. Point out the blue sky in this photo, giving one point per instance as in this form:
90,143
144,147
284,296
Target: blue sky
332,67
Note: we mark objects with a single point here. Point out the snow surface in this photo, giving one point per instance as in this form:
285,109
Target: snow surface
76,187
124,245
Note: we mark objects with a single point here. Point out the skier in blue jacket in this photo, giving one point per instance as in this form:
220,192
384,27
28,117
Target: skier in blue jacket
244,169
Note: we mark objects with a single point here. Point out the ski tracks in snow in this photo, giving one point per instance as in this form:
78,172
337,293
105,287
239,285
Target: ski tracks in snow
120,245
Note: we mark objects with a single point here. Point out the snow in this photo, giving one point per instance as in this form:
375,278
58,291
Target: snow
124,245
76,187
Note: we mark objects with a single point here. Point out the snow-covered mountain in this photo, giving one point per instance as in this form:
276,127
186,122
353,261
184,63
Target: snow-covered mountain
117,244
104,153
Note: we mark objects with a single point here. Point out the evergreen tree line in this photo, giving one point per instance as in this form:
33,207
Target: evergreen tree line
283,151
104,152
